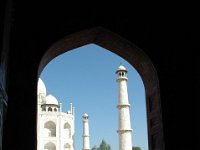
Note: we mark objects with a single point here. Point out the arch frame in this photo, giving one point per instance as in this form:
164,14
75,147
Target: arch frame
132,54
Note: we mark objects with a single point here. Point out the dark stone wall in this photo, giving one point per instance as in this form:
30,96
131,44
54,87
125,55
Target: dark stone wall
5,26
159,32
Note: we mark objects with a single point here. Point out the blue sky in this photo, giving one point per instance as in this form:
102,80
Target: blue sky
86,77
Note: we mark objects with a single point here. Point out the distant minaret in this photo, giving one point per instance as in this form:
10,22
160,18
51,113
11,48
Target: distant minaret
124,127
86,139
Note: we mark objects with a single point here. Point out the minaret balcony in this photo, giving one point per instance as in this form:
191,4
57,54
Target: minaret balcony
124,130
121,78
123,105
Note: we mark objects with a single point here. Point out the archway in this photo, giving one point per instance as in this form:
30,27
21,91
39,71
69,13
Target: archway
135,56
67,146
49,146
51,127
67,130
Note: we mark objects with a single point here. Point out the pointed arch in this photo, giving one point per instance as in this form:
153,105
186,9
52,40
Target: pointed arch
50,129
67,130
131,53
67,146
49,109
49,146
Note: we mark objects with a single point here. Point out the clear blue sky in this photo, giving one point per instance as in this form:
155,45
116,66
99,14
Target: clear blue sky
86,77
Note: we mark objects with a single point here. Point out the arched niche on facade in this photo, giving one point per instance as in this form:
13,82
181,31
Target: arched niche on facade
67,130
132,54
50,126
49,146
67,146
49,109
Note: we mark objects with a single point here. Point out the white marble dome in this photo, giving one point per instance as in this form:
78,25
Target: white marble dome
121,68
85,115
41,88
50,99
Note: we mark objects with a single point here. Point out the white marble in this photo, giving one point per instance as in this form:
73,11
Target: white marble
86,135
55,128
124,123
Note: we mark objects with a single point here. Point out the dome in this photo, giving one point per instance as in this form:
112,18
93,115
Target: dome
121,68
50,99
41,89
85,115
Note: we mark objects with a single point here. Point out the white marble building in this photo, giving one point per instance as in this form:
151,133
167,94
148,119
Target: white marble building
55,129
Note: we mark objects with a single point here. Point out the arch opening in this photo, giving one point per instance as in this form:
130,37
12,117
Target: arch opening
67,130
67,146
131,53
49,146
50,129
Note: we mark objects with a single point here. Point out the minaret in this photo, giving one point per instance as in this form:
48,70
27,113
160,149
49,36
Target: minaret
86,140
124,124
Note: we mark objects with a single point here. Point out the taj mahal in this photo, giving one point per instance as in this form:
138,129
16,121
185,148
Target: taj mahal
56,129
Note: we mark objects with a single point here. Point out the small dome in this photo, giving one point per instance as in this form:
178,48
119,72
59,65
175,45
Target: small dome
121,68
41,89
85,115
50,99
